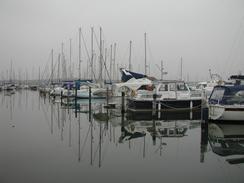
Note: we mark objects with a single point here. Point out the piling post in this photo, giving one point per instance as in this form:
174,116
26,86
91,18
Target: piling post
107,97
89,103
154,133
205,114
76,101
191,108
123,103
61,97
154,106
204,140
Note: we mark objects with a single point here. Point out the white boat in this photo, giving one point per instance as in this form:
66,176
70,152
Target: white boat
96,91
57,91
170,95
130,86
227,103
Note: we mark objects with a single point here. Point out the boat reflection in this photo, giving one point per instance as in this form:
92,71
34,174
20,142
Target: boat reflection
92,132
227,140
165,115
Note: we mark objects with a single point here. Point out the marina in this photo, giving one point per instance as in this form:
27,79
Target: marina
121,91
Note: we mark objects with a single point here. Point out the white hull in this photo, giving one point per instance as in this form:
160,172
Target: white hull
226,112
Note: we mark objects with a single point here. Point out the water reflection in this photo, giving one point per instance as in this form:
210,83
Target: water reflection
227,140
107,139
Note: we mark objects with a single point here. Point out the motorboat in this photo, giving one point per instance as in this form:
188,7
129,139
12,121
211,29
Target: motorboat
167,95
227,103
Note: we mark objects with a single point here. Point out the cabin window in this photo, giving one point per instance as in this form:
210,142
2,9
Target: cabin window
181,87
237,98
217,94
172,87
163,87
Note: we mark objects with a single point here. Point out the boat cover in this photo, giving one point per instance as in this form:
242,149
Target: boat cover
127,75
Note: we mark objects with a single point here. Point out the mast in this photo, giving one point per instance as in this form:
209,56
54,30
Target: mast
210,73
130,67
145,41
162,70
100,58
11,70
52,67
59,57
181,68
92,32
39,76
111,61
79,52
105,62
70,58
114,74
64,69
26,76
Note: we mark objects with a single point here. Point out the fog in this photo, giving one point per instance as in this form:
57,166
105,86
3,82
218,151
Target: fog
207,34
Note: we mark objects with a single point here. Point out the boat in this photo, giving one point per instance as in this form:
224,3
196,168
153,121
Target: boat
96,92
130,86
168,95
237,79
33,87
205,88
130,82
227,103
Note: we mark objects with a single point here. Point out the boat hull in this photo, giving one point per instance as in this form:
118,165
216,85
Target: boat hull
163,105
226,112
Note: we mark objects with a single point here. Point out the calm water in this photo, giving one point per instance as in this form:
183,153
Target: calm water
42,141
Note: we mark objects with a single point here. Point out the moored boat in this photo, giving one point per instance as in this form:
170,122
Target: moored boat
227,103
168,95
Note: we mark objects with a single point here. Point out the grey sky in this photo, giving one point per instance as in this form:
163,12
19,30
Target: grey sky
206,33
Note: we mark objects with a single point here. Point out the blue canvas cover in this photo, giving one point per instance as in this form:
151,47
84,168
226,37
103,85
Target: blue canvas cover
127,75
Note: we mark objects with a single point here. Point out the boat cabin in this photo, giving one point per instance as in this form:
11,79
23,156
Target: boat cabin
227,95
167,90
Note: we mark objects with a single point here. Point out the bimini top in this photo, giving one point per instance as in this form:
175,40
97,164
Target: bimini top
227,95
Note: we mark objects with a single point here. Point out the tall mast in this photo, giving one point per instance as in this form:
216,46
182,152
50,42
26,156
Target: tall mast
39,75
145,41
105,62
92,32
70,58
58,77
162,70
114,74
64,69
111,61
181,68
52,68
11,70
100,58
130,67
79,52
